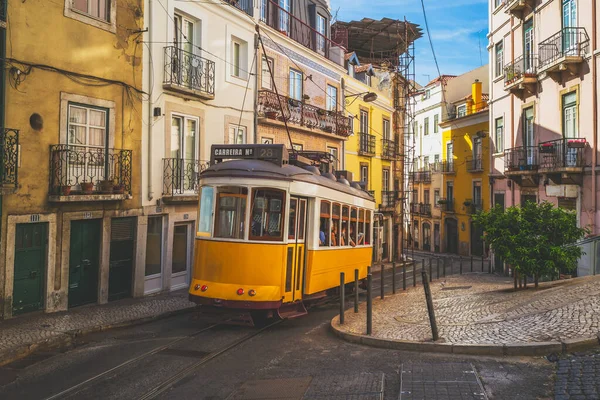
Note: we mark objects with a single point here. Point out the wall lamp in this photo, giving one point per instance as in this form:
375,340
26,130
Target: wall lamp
368,97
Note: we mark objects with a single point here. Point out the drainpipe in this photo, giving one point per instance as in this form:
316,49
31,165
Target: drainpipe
150,113
595,108
258,58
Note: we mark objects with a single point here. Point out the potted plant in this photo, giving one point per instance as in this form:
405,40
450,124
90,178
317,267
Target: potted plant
328,129
467,203
547,147
320,111
106,186
306,97
271,114
576,143
87,187
119,188
293,102
442,201
65,190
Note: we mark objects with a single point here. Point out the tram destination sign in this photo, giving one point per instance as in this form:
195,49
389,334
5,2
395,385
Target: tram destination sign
276,153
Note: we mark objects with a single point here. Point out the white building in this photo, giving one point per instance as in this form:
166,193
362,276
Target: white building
200,75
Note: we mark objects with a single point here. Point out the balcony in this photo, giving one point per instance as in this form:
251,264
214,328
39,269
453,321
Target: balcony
564,51
521,75
474,164
445,167
422,176
366,144
415,208
288,25
246,6
388,199
425,209
521,165
83,173
180,179
446,205
517,7
473,206
301,114
189,74
563,160
9,160
389,150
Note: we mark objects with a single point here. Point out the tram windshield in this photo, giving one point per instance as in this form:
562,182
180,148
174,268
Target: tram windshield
231,212
267,214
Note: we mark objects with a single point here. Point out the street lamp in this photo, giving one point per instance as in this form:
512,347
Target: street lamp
368,97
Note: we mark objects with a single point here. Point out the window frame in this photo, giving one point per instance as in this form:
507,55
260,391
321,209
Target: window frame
436,121
295,77
109,25
237,129
461,111
209,232
321,29
284,216
267,60
217,209
499,139
331,98
426,126
499,59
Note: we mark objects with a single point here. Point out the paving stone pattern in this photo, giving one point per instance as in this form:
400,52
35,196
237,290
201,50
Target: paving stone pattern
578,377
483,309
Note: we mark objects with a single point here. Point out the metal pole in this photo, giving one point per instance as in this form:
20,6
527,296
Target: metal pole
369,304
382,275
414,273
482,268
430,268
430,310
394,277
356,291
342,299
438,268
460,260
404,276
490,266
471,263
444,270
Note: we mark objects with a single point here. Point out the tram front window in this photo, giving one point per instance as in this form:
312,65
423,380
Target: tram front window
206,209
231,212
267,215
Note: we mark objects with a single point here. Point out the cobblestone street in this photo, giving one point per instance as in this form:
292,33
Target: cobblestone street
483,309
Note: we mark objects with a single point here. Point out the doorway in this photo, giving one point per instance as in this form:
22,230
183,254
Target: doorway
294,273
31,241
122,251
451,236
182,256
84,262
153,281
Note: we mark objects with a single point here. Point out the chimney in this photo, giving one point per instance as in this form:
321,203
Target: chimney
476,95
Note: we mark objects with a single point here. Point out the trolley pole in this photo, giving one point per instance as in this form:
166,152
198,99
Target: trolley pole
369,304
342,299
356,291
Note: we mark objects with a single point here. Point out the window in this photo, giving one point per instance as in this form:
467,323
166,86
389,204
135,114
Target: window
415,197
436,198
296,81
569,103
426,163
477,150
265,81
263,10
528,197
364,122
230,216
436,121
284,15
154,246
344,233
449,152
477,199
353,227
426,126
499,200
499,59
334,154
99,9
267,215
386,180
331,98
499,134
436,159
367,227
461,111
351,123
87,126
237,134
206,210
497,3
361,228
184,152
325,233
266,140
297,147
183,34
364,175
426,198
386,129
335,224
321,24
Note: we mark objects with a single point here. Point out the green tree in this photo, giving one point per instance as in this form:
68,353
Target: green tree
535,239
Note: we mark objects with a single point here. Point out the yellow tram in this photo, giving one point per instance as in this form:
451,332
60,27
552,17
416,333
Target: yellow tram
272,235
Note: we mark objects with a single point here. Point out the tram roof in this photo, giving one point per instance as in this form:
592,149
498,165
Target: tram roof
259,169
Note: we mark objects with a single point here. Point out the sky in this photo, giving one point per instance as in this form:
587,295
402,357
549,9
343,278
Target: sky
458,30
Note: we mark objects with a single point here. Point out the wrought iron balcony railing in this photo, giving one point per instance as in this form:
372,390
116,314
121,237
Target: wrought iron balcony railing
422,176
414,208
246,6
474,164
572,41
425,209
473,206
388,198
366,144
181,176
523,67
562,153
446,205
389,150
88,170
9,160
296,29
299,113
523,158
445,167
189,72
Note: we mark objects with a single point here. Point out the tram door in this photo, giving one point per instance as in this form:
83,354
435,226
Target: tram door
295,250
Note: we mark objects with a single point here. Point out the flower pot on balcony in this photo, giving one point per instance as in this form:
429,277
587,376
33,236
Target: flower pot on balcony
467,203
442,201
328,129
65,190
271,114
320,111
576,143
87,187
119,189
106,186
293,103
547,148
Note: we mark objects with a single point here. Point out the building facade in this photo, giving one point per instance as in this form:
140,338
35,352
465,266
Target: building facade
71,154
372,149
544,104
200,75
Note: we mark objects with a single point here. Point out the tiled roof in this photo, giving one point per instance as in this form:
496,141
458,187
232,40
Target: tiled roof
348,56
362,68
484,97
442,78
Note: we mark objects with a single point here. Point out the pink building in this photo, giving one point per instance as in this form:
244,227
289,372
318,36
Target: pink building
544,104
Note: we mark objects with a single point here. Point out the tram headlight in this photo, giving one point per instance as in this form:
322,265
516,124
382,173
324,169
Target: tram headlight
252,292
240,291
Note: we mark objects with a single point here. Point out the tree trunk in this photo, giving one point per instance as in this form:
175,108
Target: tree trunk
516,279
520,281
536,278
525,281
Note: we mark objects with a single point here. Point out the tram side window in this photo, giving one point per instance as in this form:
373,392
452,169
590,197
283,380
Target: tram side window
267,215
345,226
231,212
361,228
206,209
324,231
353,227
292,219
335,225
367,227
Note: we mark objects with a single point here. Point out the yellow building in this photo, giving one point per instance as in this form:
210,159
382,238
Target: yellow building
71,143
370,151
465,172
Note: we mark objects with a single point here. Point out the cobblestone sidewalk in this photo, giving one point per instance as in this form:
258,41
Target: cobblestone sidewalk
483,309
21,335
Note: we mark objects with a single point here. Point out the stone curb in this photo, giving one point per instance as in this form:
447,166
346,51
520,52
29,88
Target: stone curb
65,339
512,349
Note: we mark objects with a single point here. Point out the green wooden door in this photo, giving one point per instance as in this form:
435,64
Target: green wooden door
84,261
122,245
30,265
